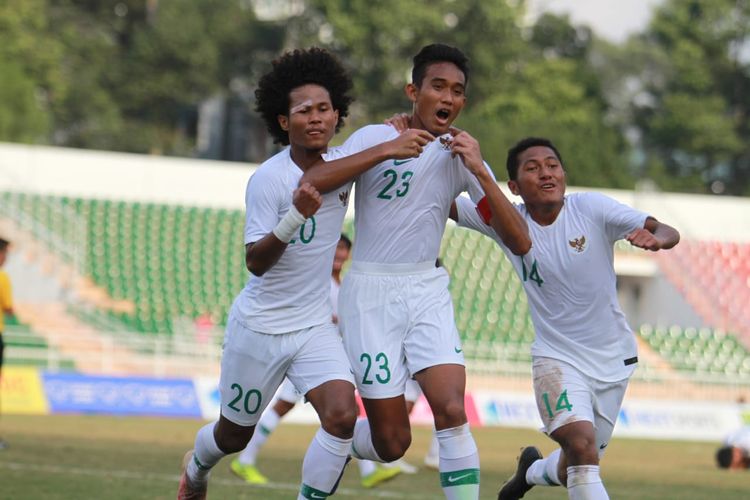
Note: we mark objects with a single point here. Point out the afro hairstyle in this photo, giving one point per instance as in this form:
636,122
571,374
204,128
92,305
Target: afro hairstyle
295,69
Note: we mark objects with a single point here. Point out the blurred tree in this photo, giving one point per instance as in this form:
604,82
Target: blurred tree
547,99
523,82
692,114
378,40
139,69
554,91
29,64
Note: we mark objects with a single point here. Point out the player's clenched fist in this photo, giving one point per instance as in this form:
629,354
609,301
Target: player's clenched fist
409,143
307,199
643,238
467,148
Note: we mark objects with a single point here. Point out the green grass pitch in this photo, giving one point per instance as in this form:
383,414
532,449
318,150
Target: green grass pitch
96,457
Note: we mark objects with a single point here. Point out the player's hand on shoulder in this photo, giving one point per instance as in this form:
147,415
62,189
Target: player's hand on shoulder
643,238
399,121
307,199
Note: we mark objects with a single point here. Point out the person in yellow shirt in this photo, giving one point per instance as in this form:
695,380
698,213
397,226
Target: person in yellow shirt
6,305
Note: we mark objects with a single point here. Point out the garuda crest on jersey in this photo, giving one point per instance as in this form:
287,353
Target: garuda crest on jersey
344,198
578,244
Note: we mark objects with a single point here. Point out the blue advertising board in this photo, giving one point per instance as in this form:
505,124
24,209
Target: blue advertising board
74,393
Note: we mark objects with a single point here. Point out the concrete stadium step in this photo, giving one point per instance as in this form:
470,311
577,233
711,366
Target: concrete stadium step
96,352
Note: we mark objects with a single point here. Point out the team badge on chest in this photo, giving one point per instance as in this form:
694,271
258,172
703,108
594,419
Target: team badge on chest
578,245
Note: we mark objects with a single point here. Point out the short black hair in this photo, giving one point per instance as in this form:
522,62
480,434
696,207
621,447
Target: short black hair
3,244
724,456
528,142
294,69
437,53
346,241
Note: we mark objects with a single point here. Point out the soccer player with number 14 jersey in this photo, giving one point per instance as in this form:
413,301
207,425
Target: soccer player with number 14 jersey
584,351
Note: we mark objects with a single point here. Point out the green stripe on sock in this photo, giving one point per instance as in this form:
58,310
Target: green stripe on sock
200,465
548,479
459,477
264,430
310,492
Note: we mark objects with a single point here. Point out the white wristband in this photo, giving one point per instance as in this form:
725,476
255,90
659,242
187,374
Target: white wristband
289,224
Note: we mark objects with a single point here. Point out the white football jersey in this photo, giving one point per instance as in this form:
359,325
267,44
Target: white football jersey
294,293
739,438
570,282
401,206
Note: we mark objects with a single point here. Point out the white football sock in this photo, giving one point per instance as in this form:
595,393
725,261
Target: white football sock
362,447
543,472
206,454
459,463
323,465
584,483
366,467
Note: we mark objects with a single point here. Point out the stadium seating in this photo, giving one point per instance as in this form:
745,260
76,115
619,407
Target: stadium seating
702,351
170,261
26,348
490,305
175,263
715,279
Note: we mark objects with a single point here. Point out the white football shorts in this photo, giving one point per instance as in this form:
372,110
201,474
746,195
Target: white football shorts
396,319
254,364
565,395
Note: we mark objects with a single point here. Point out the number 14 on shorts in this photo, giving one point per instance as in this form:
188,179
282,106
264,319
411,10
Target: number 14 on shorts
561,404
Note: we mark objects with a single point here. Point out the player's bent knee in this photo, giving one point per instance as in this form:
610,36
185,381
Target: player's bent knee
450,415
339,421
230,437
393,445
580,450
232,443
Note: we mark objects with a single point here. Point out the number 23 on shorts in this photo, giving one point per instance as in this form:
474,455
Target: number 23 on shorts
380,371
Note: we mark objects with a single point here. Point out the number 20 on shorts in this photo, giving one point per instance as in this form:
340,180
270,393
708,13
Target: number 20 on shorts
250,400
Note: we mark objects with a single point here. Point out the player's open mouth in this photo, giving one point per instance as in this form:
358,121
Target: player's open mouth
547,186
443,114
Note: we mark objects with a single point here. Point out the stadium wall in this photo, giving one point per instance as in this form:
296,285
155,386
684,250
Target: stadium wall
31,392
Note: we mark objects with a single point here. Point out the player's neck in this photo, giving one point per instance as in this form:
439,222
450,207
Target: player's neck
416,123
305,158
545,214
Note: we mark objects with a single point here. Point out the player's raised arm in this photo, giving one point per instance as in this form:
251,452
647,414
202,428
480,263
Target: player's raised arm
654,236
327,176
503,217
260,256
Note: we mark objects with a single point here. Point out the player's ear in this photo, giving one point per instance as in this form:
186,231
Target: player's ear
283,122
513,186
411,92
